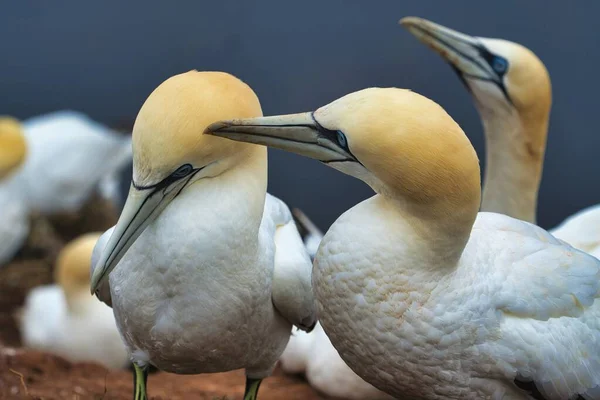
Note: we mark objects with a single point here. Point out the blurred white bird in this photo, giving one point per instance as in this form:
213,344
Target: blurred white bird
312,354
421,295
81,153
69,156
65,319
512,91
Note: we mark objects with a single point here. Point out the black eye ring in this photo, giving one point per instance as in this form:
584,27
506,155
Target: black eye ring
182,171
341,139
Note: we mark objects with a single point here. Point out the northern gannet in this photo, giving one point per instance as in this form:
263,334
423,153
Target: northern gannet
208,270
64,319
12,146
312,354
422,295
512,92
82,153
69,156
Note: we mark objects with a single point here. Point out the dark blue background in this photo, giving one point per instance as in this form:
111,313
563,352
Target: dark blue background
104,58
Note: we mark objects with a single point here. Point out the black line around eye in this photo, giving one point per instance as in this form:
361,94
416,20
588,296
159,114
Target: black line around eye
174,177
331,135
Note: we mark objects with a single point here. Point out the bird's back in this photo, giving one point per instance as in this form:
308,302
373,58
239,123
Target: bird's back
80,151
518,302
42,317
543,323
581,230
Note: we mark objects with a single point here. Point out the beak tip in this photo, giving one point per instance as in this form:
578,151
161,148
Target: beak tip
93,286
404,21
410,22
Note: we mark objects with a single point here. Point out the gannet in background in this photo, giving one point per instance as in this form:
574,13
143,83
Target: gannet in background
12,146
208,271
512,92
422,295
81,151
312,354
64,319
69,156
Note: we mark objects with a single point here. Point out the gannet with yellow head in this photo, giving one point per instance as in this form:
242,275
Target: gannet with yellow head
512,92
422,295
64,319
12,146
208,271
69,158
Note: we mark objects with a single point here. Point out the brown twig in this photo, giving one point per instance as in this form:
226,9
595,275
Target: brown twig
20,375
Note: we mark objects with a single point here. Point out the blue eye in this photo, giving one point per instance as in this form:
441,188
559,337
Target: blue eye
500,65
182,171
341,138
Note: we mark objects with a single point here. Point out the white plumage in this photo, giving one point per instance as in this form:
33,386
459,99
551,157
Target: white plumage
312,353
89,334
422,296
582,230
214,299
68,157
81,152
214,280
64,319
469,329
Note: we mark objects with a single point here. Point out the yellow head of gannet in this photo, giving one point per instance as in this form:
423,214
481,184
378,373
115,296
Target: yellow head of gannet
72,270
170,152
350,134
422,296
512,91
12,145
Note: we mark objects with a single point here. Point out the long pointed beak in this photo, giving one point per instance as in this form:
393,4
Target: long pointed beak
465,53
297,133
142,207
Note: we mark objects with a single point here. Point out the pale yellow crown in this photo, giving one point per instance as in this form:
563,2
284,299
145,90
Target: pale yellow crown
13,147
72,269
409,143
169,128
528,85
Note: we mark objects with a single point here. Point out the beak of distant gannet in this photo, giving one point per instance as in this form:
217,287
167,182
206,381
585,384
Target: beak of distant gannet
143,205
467,54
297,133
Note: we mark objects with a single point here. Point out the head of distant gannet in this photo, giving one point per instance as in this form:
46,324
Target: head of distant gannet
402,144
72,269
12,145
502,76
170,152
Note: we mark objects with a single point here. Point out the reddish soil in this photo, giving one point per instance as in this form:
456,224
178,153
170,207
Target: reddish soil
27,374
33,375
